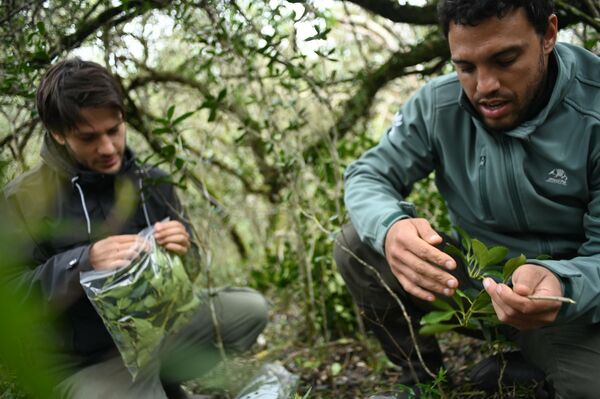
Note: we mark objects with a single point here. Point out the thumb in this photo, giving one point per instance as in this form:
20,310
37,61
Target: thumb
525,280
426,232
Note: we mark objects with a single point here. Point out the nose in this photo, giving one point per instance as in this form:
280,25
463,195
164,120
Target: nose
106,145
487,82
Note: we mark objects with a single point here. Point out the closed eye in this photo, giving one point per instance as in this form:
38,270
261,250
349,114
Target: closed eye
506,63
87,138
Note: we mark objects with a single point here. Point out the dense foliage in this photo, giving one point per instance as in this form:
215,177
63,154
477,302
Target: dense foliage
255,108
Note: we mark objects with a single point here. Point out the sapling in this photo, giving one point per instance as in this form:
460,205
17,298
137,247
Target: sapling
471,307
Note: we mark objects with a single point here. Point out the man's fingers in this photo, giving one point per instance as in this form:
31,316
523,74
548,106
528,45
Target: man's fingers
176,248
170,227
516,310
415,290
123,238
423,245
182,239
426,232
427,276
171,231
428,253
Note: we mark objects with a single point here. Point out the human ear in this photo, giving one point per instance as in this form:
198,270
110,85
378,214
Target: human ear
549,40
59,138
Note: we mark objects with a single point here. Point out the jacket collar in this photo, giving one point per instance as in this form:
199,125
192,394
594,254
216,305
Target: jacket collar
564,77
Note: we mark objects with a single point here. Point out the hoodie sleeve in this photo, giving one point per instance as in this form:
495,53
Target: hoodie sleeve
580,276
54,278
377,183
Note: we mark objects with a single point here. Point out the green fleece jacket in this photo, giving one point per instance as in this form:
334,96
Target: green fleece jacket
534,189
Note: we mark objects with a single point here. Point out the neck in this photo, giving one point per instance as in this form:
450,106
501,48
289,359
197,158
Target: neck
545,90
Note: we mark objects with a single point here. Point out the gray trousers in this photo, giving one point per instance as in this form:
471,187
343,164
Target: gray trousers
241,315
569,354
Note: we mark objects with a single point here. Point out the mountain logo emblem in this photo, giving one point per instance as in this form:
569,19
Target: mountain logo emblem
557,176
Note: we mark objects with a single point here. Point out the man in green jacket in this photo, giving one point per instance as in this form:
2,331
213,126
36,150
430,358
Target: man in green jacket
514,139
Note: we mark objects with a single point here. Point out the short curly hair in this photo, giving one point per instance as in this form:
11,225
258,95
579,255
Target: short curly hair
73,84
472,12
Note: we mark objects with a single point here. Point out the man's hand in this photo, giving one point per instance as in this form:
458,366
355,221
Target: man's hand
512,305
416,262
172,236
116,251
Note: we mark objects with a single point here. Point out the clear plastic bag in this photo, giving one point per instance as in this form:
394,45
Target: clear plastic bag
273,381
144,302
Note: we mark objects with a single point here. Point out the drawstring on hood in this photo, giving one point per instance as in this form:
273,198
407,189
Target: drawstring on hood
85,211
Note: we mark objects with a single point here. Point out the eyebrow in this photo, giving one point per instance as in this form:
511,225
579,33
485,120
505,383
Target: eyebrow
509,50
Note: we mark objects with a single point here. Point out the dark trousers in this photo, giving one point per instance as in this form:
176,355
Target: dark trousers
568,354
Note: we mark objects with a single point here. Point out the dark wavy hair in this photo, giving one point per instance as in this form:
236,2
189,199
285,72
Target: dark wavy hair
472,12
73,84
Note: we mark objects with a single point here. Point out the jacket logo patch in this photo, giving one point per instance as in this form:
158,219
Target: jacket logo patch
557,176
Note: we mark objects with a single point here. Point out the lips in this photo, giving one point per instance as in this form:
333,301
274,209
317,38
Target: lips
110,162
494,109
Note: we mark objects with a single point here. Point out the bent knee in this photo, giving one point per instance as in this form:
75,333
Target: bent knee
248,318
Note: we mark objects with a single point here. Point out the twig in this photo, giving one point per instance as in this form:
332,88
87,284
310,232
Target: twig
551,298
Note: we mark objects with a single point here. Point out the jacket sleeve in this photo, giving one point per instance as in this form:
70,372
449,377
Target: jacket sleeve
55,278
377,183
580,276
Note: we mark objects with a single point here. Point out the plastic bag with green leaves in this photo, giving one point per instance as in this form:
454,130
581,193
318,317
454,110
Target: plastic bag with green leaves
142,303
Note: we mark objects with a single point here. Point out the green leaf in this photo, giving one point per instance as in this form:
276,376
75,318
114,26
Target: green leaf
471,293
465,237
455,253
41,28
494,256
495,274
481,302
430,329
170,112
480,251
511,265
437,316
590,43
168,151
221,95
182,117
161,130
213,114
458,297
440,304
149,302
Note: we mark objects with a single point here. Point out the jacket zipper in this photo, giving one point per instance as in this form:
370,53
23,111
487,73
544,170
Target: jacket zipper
512,184
487,211
545,247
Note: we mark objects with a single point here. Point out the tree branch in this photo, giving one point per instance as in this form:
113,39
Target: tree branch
112,16
431,48
272,175
392,10
579,15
